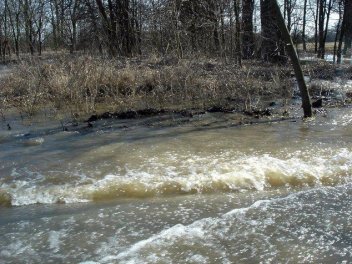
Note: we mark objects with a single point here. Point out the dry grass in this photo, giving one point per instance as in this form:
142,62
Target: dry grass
329,47
321,70
88,84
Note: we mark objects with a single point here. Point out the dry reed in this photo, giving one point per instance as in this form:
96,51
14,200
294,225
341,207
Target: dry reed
89,84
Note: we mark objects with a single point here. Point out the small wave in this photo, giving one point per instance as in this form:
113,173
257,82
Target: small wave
177,175
224,174
23,193
33,142
256,234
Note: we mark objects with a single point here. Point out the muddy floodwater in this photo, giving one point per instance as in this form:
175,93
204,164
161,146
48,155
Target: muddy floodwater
172,189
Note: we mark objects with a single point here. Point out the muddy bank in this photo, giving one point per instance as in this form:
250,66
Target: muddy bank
131,114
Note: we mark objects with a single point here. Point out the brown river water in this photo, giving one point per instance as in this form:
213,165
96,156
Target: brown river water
171,190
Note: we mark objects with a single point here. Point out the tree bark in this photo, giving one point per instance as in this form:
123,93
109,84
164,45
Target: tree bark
339,47
338,31
321,19
348,26
272,49
316,17
304,26
247,28
346,21
329,7
238,33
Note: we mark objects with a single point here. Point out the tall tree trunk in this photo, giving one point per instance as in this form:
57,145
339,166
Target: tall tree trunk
345,26
5,41
272,49
232,32
304,25
288,13
14,20
126,35
321,16
306,103
247,27
222,23
1,43
216,36
348,26
342,34
29,25
237,4
338,31
316,18
73,37
329,7
109,28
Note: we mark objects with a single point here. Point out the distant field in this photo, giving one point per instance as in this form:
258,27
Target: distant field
329,51
329,47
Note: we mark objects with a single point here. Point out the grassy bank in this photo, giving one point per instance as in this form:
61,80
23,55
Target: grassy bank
86,85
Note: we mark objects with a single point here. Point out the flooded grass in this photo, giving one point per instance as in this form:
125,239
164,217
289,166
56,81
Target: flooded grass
82,86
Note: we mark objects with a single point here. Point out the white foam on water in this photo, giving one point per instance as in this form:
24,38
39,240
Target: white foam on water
33,142
166,239
163,239
163,175
343,120
12,248
225,173
16,248
54,240
24,193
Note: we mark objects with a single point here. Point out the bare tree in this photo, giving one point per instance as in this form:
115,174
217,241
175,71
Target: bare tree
345,26
15,22
324,16
338,28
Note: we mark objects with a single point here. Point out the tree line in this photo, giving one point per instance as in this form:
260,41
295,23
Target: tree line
238,29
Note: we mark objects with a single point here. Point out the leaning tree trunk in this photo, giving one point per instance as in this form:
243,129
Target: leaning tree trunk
306,103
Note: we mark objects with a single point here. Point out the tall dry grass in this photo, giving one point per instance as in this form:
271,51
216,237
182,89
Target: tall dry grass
89,84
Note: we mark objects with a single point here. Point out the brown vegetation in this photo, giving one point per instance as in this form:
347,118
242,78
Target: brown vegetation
89,84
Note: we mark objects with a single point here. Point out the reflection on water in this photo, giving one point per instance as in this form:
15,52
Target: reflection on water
163,189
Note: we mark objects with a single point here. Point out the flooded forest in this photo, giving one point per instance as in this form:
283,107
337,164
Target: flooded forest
175,131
